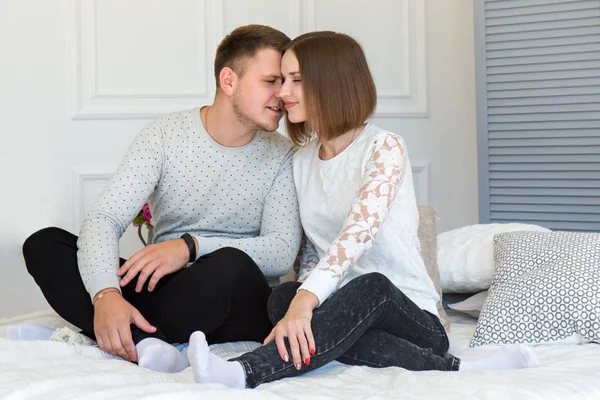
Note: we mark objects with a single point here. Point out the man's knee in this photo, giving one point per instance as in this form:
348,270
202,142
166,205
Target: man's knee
229,267
41,243
41,239
232,263
233,256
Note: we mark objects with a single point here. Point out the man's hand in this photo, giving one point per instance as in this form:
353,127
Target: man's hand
113,316
296,326
157,260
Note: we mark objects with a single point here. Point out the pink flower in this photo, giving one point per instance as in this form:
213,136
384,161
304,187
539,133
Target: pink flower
143,217
146,213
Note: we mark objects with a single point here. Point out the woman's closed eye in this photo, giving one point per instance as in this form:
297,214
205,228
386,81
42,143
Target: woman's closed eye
293,80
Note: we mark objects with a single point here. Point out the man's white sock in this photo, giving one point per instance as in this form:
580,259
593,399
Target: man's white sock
160,356
28,332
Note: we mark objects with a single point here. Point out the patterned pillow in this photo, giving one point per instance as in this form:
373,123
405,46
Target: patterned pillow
546,288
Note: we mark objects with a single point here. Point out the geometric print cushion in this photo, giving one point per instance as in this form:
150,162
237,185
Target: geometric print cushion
546,288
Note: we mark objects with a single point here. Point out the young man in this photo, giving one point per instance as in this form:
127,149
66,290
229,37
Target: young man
220,187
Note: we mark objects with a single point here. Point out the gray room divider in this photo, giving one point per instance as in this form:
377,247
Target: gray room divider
538,112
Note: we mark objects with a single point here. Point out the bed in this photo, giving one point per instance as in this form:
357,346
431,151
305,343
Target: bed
49,369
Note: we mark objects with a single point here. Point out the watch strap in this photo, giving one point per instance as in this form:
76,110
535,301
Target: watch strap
189,240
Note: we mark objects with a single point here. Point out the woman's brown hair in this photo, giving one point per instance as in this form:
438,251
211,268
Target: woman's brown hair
339,90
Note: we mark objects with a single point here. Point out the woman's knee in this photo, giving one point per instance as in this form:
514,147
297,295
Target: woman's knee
373,280
280,299
373,284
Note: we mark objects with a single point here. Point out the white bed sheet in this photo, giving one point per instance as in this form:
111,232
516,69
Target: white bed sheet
53,370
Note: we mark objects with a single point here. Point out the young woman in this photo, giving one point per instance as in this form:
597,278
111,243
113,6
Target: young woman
363,296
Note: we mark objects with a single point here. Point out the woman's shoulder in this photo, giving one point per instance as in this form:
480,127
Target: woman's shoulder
379,138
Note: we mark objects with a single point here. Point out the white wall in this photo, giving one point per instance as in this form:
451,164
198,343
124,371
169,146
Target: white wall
79,78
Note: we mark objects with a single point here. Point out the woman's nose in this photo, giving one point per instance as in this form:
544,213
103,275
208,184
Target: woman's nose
283,91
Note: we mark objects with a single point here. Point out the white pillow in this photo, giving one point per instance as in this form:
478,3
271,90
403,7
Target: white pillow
233,349
466,255
227,350
471,306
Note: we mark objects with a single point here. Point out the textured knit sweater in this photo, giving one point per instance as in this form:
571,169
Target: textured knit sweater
242,197
360,215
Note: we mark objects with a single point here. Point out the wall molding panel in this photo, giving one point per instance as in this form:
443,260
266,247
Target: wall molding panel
420,171
88,183
102,70
411,99
90,100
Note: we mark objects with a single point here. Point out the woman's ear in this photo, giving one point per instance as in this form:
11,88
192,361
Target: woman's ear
228,81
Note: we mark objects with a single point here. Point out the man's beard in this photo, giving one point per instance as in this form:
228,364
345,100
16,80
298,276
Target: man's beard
245,120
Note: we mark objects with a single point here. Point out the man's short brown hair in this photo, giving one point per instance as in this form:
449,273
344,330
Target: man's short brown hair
339,91
243,43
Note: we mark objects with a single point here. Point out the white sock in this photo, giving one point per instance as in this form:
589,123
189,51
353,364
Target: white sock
28,332
160,356
514,356
208,367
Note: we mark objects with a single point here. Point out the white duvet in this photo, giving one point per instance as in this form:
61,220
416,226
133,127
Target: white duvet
54,370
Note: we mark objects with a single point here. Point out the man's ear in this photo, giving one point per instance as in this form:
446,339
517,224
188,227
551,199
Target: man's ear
228,80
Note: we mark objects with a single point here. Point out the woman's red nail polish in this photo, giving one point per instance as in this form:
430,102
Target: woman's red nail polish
307,361
312,352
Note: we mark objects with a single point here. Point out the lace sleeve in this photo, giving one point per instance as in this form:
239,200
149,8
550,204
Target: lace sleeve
383,175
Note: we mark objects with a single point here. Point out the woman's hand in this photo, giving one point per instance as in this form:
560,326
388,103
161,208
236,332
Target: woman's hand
296,326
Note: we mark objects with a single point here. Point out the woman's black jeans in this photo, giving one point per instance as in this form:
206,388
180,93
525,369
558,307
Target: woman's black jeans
369,321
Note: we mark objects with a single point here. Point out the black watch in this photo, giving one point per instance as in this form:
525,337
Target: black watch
189,240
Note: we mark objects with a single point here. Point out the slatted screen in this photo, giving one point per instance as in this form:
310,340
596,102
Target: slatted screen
542,112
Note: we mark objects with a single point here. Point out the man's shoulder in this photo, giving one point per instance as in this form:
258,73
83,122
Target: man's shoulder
275,142
176,118
169,126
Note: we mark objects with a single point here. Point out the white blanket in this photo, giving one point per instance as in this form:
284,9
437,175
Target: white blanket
54,370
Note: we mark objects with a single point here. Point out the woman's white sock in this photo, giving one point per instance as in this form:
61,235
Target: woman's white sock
509,357
208,367
160,356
